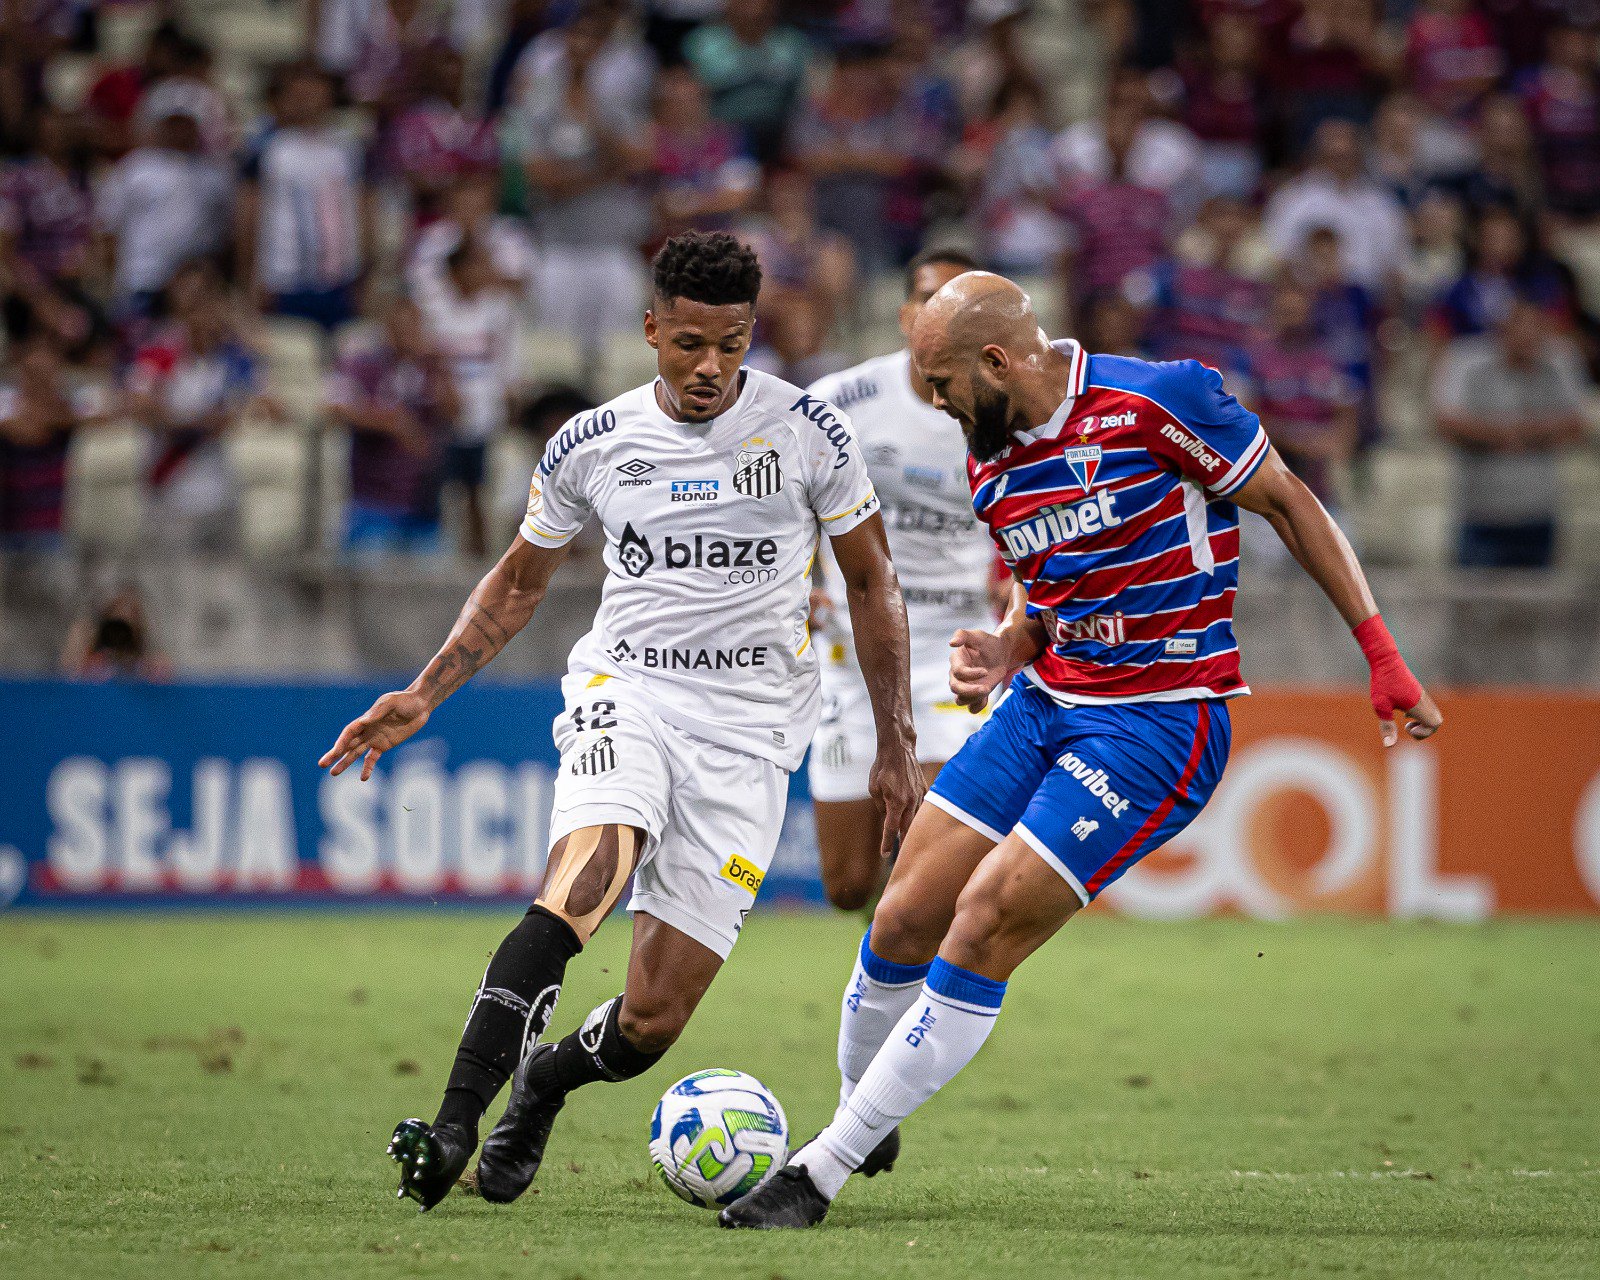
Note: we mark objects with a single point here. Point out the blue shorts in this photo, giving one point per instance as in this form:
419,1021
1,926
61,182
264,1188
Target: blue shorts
1091,789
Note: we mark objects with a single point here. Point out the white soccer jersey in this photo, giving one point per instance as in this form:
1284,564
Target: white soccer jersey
711,529
917,459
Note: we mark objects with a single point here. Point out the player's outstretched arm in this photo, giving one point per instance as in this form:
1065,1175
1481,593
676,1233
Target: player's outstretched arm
1323,551
981,661
883,650
498,608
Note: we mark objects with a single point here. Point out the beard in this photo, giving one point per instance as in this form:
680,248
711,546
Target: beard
991,422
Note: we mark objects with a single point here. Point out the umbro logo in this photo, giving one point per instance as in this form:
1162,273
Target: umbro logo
637,470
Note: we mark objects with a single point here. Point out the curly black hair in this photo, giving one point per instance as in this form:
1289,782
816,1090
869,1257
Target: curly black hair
710,267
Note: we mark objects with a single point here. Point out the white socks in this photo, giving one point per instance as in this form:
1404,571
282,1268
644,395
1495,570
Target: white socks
879,993
935,1038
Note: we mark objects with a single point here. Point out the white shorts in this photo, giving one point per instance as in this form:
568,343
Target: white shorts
711,815
846,741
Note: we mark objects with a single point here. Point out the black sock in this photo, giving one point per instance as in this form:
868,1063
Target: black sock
513,1007
595,1051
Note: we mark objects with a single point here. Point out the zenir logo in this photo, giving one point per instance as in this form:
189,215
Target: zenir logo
598,759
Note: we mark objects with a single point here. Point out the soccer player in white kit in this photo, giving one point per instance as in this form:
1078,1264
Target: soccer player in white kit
917,458
687,705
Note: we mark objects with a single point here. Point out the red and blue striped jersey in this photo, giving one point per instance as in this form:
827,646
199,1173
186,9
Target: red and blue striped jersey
1115,516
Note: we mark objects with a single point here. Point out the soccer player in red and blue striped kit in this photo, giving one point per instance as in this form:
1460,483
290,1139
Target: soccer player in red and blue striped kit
1111,487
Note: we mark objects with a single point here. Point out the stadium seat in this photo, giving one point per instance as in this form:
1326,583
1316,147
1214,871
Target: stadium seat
269,466
1407,514
241,86
550,356
290,342
883,296
123,29
1045,293
880,339
256,34
1578,540
1402,395
105,487
626,361
1579,248
332,488
67,80
511,462
293,350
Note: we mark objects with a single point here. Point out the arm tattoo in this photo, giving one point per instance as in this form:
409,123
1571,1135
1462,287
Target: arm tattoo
497,609
480,638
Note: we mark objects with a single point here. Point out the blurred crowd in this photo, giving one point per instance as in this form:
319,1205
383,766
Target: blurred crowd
458,200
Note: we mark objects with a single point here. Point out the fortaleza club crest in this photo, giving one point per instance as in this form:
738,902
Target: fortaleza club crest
1084,459
757,474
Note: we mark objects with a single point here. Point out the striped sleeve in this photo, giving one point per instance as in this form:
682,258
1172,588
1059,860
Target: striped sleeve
1205,434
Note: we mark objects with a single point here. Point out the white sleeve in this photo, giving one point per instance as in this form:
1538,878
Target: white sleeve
558,500
841,492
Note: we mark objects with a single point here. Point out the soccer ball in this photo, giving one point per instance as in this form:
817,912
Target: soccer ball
717,1135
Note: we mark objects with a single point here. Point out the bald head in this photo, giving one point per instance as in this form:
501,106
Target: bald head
975,310
978,343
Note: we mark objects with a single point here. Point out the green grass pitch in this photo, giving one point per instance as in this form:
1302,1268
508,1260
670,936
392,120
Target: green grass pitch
203,1095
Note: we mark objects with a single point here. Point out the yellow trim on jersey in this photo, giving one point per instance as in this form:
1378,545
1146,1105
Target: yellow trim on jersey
871,494
956,706
806,643
596,681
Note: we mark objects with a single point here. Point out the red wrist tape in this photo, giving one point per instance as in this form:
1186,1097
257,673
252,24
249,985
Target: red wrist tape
1375,641
1393,685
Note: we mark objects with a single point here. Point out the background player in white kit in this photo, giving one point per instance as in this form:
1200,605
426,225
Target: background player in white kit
688,703
917,458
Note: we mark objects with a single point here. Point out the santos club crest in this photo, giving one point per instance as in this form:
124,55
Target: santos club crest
1084,459
757,474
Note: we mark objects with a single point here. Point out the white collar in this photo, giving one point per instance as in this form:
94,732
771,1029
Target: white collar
653,409
1077,380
